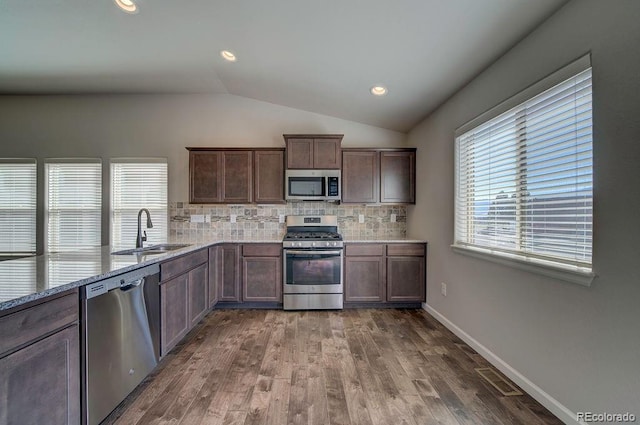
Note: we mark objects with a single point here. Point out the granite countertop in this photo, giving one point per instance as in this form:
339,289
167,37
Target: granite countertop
29,279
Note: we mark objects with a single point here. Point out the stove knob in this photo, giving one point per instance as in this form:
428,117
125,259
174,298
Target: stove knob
328,243
335,244
313,244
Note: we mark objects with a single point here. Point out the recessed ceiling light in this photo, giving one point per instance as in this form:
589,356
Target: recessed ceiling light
378,90
227,55
127,5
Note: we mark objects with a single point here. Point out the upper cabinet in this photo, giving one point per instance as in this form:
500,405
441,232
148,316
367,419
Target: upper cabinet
313,151
385,176
236,175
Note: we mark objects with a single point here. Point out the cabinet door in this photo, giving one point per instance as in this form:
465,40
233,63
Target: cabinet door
262,279
398,177
174,311
205,176
238,176
405,279
229,269
299,153
213,276
327,153
41,382
364,279
269,177
198,300
360,177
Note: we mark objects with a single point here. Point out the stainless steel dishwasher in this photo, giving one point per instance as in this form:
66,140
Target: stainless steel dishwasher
120,338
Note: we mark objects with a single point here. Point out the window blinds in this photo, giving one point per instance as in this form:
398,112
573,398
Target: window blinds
73,204
524,179
17,206
135,184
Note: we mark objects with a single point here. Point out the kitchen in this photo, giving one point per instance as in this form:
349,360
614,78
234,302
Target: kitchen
103,125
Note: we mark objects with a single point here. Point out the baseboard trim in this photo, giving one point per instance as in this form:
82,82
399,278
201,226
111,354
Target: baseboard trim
564,414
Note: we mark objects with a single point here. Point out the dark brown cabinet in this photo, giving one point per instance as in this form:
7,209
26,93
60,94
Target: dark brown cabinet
262,272
183,296
229,273
314,151
360,176
406,265
398,177
269,176
40,363
219,175
364,273
379,273
214,261
385,176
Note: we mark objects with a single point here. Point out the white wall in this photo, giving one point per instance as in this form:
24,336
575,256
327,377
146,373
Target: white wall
158,126
580,345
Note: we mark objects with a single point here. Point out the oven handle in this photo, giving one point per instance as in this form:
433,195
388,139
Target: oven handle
316,252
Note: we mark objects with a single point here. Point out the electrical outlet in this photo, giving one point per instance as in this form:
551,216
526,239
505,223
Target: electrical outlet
197,218
361,218
443,288
233,218
393,218
281,218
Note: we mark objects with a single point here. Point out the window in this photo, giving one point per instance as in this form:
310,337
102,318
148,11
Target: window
138,183
17,206
73,204
524,178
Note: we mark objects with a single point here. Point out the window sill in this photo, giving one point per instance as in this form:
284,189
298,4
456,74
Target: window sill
546,269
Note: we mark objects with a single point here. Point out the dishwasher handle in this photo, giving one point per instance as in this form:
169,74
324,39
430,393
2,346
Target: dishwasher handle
127,286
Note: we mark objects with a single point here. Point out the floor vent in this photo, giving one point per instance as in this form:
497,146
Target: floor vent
498,382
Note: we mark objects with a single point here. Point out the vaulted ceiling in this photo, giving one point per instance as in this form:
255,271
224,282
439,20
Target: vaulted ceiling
320,56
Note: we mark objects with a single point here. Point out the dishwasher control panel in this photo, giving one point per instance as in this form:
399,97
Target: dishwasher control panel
105,285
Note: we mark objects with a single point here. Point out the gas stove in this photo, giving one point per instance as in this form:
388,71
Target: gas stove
319,232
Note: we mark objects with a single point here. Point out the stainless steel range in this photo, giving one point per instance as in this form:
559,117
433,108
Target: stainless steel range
313,251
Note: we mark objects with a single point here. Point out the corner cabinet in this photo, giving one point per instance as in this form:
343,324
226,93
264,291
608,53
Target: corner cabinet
379,176
385,274
183,296
226,175
314,151
40,363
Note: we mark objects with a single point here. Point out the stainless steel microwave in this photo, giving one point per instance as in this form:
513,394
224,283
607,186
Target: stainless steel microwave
313,185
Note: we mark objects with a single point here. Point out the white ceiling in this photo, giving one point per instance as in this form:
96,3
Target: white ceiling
321,56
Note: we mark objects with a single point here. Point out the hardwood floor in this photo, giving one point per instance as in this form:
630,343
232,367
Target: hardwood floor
364,367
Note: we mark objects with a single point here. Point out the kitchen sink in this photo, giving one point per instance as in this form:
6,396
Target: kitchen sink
153,249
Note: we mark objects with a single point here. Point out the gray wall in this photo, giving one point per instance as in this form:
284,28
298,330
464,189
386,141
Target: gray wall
580,345
159,126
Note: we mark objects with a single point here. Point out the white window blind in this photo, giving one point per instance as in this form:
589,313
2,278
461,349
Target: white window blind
138,183
73,204
524,179
17,206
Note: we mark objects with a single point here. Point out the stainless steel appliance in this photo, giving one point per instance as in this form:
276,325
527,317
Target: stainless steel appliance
313,185
313,256
120,338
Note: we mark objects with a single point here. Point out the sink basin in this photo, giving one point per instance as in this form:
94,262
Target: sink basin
153,249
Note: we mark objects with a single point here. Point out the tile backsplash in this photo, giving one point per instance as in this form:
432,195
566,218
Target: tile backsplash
261,222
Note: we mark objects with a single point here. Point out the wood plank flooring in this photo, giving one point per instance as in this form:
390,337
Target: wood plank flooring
356,367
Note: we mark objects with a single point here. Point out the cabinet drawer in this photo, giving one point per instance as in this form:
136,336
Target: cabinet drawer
412,249
261,250
173,268
31,323
365,249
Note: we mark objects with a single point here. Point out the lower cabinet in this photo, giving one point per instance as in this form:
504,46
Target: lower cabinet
213,276
262,272
379,273
184,299
229,273
40,382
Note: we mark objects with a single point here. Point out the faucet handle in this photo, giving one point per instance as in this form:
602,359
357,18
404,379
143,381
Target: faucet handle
144,238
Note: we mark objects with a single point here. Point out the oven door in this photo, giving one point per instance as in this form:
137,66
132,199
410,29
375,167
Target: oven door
312,271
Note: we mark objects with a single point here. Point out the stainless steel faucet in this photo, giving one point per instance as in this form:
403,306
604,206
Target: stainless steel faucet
140,239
